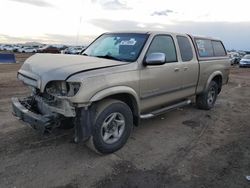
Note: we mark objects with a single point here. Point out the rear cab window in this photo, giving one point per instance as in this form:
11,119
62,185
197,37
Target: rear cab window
210,48
205,48
218,49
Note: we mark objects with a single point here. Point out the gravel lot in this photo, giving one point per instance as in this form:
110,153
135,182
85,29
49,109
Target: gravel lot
183,148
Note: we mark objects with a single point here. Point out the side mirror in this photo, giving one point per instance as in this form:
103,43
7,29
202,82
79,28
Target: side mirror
155,59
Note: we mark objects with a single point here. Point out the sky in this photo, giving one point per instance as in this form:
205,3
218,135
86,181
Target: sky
78,22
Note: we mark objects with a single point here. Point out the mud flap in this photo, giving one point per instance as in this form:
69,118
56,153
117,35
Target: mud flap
83,124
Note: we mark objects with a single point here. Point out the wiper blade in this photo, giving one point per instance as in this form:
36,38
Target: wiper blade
110,57
85,54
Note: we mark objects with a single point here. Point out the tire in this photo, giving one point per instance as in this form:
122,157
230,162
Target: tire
112,126
207,99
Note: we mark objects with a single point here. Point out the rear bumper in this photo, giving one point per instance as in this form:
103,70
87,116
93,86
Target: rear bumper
37,121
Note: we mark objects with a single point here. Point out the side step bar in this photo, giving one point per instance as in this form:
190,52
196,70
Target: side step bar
165,109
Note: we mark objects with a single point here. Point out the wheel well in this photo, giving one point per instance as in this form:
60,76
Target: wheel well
131,102
218,80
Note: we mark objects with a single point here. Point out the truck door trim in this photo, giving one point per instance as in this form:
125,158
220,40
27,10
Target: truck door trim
165,91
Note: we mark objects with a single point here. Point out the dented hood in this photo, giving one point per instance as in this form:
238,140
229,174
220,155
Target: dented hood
47,67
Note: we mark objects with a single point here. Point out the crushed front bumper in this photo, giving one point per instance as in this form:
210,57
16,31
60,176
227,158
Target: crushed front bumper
37,121
46,123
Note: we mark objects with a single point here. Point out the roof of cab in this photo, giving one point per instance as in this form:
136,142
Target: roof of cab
145,32
164,32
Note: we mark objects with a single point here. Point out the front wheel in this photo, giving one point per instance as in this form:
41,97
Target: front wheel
207,99
112,126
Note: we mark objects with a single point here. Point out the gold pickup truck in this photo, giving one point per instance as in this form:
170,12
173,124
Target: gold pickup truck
119,79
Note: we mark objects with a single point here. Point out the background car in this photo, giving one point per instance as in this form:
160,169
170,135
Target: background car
16,48
1,46
27,50
234,58
49,49
74,50
245,61
8,47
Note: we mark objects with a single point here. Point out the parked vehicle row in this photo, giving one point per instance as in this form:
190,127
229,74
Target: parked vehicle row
236,57
19,48
9,47
42,49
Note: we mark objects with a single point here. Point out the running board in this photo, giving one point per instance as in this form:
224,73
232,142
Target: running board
165,109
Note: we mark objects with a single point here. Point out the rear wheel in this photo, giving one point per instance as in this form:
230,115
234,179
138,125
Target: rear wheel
112,126
207,99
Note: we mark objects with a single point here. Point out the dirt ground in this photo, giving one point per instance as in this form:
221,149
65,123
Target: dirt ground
183,148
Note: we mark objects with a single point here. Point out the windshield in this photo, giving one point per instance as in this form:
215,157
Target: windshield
246,57
117,46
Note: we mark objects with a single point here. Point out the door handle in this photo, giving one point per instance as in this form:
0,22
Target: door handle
176,69
185,68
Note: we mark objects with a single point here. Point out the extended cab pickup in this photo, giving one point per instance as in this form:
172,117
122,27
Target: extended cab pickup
118,80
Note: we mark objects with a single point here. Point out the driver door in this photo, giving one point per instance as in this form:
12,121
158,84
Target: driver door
160,84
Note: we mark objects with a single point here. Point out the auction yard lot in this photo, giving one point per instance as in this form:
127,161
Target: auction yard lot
183,148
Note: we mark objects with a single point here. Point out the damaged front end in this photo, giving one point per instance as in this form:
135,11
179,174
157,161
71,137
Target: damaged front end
45,111
25,110
50,106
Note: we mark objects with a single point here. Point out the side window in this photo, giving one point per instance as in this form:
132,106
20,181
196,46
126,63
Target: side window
205,47
218,48
163,44
185,48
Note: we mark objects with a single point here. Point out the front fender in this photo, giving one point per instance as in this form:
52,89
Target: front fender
113,91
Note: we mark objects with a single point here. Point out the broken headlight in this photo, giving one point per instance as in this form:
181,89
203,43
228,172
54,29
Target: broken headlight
63,88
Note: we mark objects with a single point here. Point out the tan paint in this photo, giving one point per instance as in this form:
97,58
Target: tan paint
151,86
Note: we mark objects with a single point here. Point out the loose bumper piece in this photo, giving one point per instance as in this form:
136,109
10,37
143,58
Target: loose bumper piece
37,121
